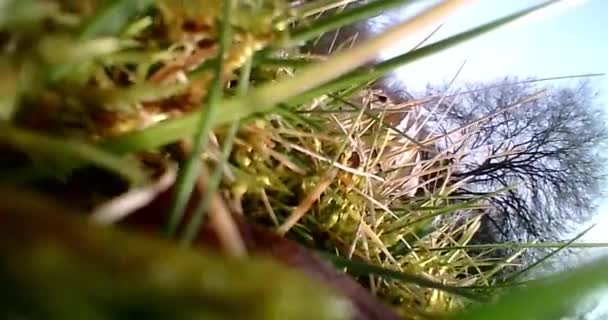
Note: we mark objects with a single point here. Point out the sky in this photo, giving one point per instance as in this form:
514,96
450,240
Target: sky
570,40
563,42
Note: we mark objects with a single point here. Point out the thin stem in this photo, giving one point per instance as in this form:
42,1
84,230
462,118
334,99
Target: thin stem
345,18
566,245
514,245
194,225
319,6
362,268
308,78
373,73
190,171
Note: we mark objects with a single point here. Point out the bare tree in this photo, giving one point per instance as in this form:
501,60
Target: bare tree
540,148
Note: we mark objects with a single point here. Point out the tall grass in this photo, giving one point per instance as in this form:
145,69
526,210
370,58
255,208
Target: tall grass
299,145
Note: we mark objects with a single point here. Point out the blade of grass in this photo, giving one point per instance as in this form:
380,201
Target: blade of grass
515,83
345,18
308,78
540,300
447,209
189,173
520,273
198,215
296,117
284,62
406,243
113,17
361,268
70,152
319,6
265,60
513,245
369,74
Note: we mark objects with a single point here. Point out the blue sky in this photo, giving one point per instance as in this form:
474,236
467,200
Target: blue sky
570,41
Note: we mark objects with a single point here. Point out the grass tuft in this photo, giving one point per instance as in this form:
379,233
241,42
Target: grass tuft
301,145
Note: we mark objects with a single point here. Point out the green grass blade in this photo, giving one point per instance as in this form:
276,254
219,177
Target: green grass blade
284,62
342,19
369,74
541,300
318,6
404,247
514,245
361,268
69,153
195,222
113,17
445,210
189,172
297,118
520,273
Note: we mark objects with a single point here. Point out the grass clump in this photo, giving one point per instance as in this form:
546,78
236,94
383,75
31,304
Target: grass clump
298,145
